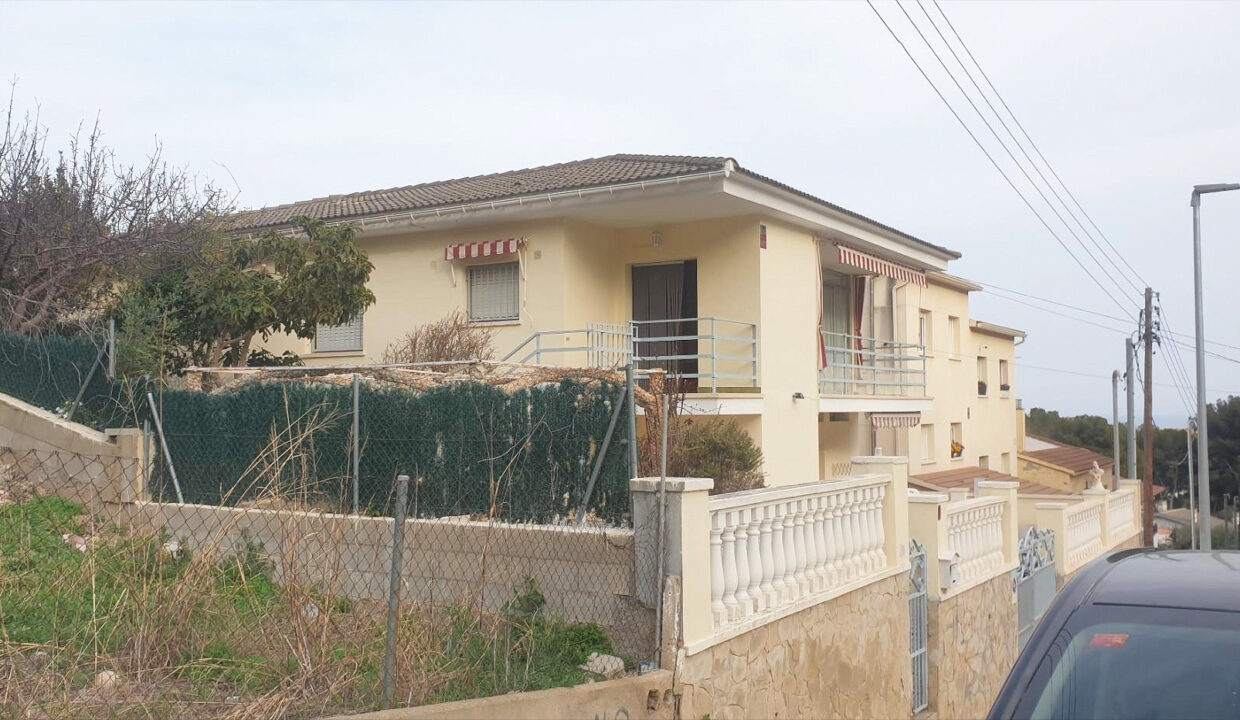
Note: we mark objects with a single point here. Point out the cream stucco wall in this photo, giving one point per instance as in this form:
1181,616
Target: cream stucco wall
413,284
988,423
788,328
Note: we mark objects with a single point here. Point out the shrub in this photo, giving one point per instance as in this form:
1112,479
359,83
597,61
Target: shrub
719,449
451,338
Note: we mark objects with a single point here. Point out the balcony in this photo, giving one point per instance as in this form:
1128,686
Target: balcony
706,354
860,368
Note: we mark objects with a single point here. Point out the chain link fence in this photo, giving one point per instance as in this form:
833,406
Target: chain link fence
278,607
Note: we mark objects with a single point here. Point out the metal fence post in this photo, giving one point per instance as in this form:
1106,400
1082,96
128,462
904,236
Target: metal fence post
658,608
628,388
357,444
602,455
398,544
146,459
112,348
77,400
163,443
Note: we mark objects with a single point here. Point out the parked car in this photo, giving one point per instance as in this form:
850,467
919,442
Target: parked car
1139,634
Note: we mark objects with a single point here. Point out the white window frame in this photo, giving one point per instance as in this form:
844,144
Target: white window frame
470,273
927,442
321,328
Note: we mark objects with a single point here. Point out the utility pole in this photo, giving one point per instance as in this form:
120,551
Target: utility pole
1192,494
1147,482
1203,418
1115,429
1130,381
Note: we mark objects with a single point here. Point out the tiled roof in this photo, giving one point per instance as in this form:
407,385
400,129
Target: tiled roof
575,175
594,172
958,478
1075,459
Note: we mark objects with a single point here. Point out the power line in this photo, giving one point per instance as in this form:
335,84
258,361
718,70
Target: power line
1019,146
1020,365
1034,145
1059,314
990,157
992,287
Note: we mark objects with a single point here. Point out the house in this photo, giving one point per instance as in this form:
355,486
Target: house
1061,466
806,322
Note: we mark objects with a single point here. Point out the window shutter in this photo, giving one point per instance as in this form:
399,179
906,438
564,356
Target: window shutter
331,338
494,292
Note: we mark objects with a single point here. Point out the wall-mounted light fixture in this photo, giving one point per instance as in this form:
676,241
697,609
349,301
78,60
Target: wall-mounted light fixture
656,239
798,396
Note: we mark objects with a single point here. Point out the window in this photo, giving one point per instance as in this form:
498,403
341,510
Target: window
957,438
927,443
1109,661
925,332
1006,460
953,324
983,375
494,292
983,461
1005,383
339,338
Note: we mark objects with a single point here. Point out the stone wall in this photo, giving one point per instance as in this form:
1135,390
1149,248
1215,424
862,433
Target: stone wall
844,658
56,454
973,644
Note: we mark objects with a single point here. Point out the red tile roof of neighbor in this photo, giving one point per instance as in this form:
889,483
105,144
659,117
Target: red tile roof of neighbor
1075,459
957,478
532,182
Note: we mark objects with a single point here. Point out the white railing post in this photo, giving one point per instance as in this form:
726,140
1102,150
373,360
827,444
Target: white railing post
754,533
779,554
729,566
767,558
717,609
821,577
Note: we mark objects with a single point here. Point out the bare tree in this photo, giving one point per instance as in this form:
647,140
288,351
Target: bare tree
74,229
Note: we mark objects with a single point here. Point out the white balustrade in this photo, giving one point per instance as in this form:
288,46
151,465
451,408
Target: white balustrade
1083,523
1121,515
772,547
975,533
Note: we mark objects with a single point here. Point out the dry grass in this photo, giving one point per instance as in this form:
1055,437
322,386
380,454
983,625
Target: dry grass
122,621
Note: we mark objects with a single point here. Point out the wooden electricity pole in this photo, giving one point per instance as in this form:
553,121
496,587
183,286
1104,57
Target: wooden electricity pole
1147,481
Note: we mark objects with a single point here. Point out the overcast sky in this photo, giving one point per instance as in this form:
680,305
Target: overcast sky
1132,103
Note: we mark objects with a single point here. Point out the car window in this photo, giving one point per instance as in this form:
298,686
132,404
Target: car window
1139,664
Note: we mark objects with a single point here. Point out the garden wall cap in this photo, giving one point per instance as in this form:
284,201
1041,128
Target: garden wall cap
674,484
880,460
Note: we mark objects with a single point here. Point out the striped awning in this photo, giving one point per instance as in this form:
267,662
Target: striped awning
895,420
855,258
490,248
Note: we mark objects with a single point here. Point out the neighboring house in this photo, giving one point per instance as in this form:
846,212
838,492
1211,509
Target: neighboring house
1061,466
804,321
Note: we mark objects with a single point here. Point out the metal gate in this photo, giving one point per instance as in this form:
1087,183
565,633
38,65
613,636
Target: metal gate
918,630
1035,579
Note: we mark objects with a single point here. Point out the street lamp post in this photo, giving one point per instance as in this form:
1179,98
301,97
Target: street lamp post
1203,430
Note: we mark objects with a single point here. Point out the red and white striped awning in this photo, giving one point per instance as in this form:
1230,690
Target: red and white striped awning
895,420
855,258
490,248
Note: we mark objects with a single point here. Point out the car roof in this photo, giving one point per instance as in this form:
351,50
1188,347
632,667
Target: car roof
1169,578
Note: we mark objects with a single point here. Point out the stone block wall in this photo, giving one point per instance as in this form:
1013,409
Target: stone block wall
847,657
585,574
973,643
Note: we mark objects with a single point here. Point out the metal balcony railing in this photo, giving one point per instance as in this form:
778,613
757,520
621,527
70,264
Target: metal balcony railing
711,352
858,365
705,350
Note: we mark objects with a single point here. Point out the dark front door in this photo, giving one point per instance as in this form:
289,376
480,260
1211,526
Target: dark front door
664,305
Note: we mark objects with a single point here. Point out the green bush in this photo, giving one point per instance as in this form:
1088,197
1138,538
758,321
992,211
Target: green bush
719,449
